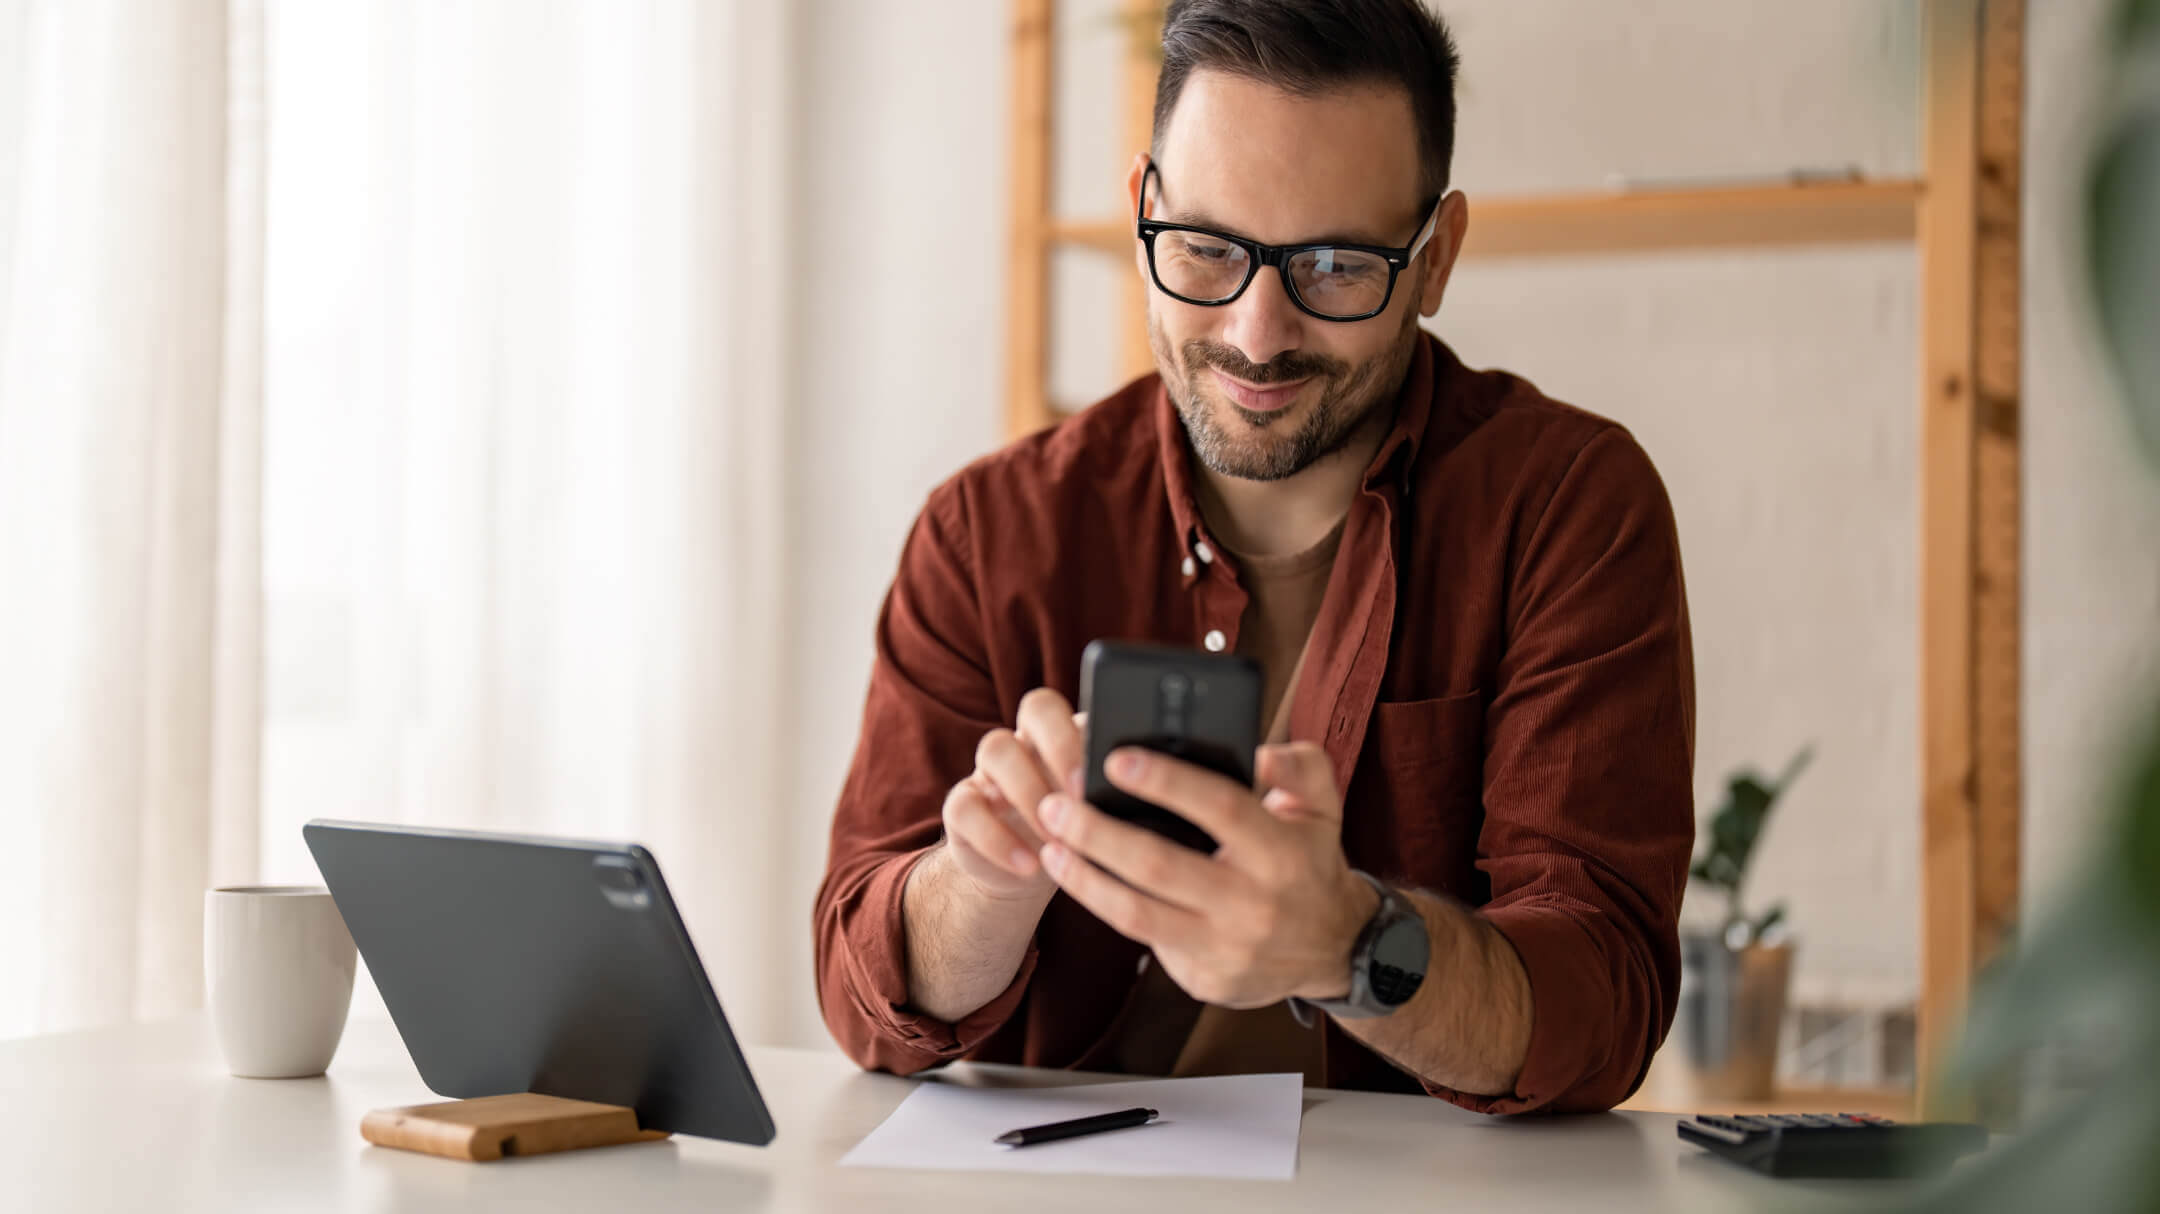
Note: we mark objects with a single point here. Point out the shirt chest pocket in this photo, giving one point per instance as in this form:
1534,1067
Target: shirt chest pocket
1417,800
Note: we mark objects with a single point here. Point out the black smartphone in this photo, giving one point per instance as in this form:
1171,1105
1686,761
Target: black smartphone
1201,707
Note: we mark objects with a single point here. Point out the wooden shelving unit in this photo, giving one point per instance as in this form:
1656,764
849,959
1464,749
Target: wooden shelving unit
1962,218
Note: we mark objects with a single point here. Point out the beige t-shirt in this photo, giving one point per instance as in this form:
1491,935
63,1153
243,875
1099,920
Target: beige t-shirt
1285,599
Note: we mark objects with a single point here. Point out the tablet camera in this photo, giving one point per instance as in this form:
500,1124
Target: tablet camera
622,884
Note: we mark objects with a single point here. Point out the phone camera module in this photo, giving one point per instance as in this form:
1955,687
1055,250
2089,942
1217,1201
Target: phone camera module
1175,694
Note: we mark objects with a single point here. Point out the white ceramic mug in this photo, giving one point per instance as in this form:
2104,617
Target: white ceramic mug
278,964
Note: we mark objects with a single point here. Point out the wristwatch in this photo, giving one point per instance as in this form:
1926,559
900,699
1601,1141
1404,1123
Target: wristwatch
1387,964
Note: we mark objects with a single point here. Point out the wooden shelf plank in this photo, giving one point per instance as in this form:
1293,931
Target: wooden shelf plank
1747,216
1856,212
1115,236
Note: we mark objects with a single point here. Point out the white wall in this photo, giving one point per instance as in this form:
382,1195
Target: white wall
897,352
1777,393
1775,390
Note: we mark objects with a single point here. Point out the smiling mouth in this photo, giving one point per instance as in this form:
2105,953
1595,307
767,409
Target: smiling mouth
1258,398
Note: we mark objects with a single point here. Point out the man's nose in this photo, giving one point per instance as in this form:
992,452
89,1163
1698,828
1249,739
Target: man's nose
1263,322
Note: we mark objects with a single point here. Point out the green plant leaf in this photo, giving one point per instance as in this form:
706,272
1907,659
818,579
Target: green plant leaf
1728,843
1767,920
2123,253
2135,20
2139,858
1793,767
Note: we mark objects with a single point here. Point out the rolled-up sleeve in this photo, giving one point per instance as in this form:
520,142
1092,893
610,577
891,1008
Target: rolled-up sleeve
930,701
1589,781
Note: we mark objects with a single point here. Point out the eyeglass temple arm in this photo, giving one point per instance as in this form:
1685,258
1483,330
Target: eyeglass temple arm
1425,235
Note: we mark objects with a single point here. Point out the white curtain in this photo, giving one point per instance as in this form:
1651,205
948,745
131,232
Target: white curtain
519,343
127,744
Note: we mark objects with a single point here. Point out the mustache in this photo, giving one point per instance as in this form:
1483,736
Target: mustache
1283,368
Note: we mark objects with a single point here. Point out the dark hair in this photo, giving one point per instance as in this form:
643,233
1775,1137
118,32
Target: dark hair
1306,46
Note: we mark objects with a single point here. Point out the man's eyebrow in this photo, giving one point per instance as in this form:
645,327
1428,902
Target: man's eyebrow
1200,219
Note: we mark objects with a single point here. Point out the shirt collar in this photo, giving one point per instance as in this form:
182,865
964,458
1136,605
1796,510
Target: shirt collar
1413,413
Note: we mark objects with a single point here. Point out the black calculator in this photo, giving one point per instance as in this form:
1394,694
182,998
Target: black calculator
1853,1145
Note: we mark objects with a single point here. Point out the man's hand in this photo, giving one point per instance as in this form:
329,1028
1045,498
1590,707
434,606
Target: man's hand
991,824
971,906
1274,912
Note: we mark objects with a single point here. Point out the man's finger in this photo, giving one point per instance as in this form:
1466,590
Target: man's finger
973,820
1046,723
1215,803
1009,762
1299,777
1020,824
1132,914
1168,871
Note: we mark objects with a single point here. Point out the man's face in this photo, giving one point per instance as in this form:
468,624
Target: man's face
1265,389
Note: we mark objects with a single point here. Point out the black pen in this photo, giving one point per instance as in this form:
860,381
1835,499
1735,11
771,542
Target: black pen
1123,1120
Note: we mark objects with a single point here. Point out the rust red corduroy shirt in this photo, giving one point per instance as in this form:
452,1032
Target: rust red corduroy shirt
1500,671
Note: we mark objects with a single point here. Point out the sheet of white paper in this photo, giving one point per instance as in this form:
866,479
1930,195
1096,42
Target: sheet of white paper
1239,1127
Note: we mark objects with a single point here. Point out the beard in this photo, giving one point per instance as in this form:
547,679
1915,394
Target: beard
1230,440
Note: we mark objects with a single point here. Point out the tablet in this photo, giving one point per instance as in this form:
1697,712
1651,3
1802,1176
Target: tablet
519,964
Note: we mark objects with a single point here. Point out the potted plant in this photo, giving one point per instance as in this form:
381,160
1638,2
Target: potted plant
1734,978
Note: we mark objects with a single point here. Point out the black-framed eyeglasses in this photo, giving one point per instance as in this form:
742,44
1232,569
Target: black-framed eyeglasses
1341,282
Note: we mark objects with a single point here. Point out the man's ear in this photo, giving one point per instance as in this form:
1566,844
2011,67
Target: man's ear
1443,248
1133,182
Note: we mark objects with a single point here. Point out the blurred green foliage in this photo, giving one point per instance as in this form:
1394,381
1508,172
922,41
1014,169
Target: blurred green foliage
2090,966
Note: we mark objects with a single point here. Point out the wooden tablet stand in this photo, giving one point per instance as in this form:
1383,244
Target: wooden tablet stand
492,1127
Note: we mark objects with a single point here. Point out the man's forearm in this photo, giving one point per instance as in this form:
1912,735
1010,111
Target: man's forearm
1468,1026
962,948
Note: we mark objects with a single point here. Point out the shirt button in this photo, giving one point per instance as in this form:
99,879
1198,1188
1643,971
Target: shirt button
1201,550
1187,567
1214,640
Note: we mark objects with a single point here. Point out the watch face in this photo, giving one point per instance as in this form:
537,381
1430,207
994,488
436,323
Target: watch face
1399,958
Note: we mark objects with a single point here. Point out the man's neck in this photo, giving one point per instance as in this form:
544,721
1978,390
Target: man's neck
1280,518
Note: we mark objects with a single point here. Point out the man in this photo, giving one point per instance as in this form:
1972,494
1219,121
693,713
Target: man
1466,600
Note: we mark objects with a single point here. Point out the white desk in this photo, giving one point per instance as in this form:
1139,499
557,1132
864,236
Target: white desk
145,1118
